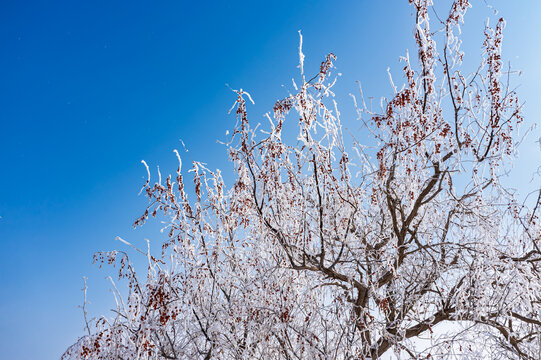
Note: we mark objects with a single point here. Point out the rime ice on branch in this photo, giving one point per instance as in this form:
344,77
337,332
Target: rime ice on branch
325,250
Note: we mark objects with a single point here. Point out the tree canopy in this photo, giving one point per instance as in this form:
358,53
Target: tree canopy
327,247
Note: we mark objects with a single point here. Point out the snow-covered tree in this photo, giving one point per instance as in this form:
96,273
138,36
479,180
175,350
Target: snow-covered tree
330,248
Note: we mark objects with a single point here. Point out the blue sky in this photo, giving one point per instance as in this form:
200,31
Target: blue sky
89,88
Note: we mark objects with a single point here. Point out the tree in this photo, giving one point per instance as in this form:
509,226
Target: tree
327,248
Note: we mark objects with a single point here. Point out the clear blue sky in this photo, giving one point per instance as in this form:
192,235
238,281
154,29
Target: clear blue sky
89,88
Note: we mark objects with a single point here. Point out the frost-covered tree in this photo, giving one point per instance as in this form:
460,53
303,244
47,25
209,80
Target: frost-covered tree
329,248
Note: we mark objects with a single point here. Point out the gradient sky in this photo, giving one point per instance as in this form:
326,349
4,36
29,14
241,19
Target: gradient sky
90,88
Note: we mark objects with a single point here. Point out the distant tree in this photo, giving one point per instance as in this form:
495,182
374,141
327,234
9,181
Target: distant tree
326,248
